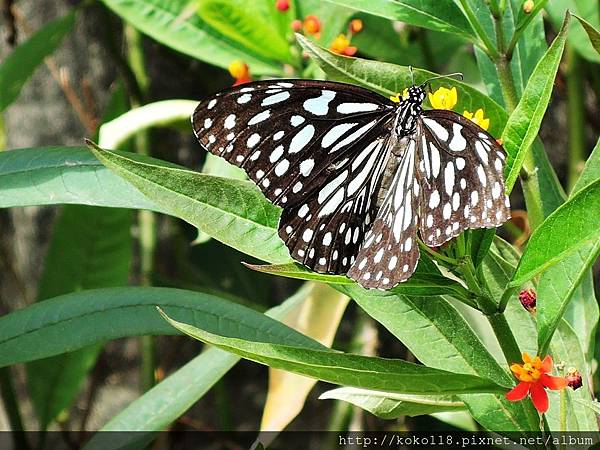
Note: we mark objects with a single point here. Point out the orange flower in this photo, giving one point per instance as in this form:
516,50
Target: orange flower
356,25
239,70
312,25
341,45
534,380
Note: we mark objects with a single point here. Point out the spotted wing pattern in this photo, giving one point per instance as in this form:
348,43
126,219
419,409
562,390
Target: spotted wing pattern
460,173
325,230
288,134
389,253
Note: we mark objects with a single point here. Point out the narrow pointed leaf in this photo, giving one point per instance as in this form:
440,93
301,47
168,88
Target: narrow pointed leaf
72,175
524,122
389,405
343,368
439,15
592,33
72,321
22,62
570,227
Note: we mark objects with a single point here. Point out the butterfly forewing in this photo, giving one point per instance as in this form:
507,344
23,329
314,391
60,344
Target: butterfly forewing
287,135
460,173
325,230
389,252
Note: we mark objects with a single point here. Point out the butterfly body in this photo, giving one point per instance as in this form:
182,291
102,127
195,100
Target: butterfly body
356,174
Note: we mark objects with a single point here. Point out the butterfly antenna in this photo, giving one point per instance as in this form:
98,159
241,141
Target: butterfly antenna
455,74
412,76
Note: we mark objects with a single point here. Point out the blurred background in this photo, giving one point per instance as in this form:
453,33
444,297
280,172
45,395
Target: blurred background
105,66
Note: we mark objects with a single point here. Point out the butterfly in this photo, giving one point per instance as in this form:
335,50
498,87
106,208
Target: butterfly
356,174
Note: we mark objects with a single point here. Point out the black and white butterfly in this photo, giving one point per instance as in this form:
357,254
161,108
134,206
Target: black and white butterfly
357,175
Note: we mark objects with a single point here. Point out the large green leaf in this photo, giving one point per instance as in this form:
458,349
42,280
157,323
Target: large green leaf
19,65
389,79
90,248
389,405
524,122
55,175
232,19
70,322
566,230
169,399
435,332
175,24
232,211
421,284
440,15
342,368
570,282
592,33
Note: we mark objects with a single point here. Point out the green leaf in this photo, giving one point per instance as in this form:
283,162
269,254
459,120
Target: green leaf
440,15
342,368
592,33
524,122
19,65
567,351
72,321
577,35
389,79
567,229
421,284
390,405
232,19
569,283
55,175
175,24
169,399
90,248
232,211
420,322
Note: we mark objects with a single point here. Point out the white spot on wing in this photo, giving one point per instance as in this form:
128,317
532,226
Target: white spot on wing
351,108
260,117
303,137
319,106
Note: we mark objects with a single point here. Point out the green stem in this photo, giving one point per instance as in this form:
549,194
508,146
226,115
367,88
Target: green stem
575,116
146,219
505,337
488,45
437,255
11,407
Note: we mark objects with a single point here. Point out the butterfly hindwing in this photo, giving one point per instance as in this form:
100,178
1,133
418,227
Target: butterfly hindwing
286,133
325,230
389,252
460,173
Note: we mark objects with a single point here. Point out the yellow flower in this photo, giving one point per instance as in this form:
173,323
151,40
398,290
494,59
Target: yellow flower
396,98
443,98
478,118
341,46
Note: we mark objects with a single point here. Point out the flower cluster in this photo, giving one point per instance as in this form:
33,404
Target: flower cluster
341,44
445,98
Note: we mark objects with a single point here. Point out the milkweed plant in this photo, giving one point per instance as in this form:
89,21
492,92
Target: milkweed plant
499,324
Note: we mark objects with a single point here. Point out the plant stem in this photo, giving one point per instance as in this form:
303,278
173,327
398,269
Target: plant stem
437,255
11,407
488,45
146,219
575,116
505,337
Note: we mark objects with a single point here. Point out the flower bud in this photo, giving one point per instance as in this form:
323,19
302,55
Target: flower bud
355,26
296,25
312,25
528,298
528,6
282,5
573,378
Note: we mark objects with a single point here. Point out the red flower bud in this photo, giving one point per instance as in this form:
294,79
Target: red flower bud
282,5
528,298
573,378
296,25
